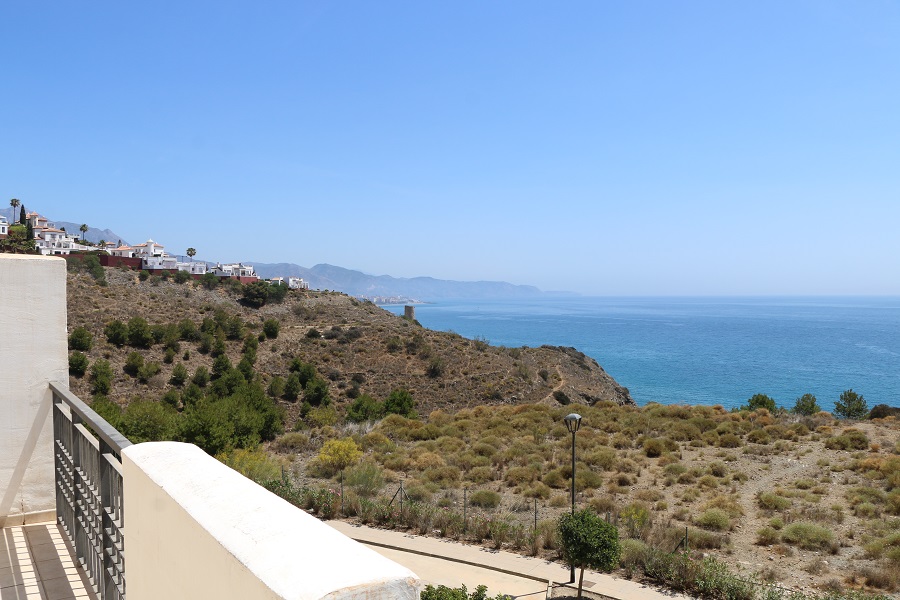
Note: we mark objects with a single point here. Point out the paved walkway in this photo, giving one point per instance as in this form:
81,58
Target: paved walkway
36,564
445,562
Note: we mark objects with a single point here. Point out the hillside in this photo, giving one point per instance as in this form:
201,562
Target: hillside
362,348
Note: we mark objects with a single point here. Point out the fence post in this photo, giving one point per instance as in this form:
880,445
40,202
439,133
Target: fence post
686,548
535,515
401,496
342,491
465,505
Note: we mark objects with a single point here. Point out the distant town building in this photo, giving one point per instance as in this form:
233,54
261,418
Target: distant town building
49,240
294,283
233,270
4,228
149,249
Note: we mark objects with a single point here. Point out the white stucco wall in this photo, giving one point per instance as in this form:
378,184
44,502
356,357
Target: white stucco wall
33,352
195,528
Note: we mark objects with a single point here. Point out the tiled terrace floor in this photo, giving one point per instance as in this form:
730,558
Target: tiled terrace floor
36,564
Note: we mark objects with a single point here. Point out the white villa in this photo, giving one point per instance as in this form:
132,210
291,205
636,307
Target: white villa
294,283
4,228
149,249
196,267
233,270
52,241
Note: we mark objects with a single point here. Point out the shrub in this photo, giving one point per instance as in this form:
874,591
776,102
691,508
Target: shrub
133,363
772,501
80,339
767,536
364,408
850,439
116,333
485,499
139,333
101,377
271,328
654,447
809,537
399,402
714,519
443,592
201,377
179,372
78,364
252,464
366,479
339,454
148,371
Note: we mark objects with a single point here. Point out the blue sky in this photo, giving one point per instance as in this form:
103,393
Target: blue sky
621,148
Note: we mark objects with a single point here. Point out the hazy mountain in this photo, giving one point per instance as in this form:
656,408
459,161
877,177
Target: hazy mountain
92,235
356,283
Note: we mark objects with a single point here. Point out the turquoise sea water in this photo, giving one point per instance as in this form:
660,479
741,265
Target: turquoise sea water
705,350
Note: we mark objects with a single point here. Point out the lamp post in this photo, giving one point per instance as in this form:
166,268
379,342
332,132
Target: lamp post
573,422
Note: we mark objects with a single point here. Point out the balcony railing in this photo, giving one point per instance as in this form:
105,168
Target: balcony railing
89,505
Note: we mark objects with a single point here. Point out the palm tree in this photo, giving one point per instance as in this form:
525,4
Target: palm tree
15,204
83,229
191,252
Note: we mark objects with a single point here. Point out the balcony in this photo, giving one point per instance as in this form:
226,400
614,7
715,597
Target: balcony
193,528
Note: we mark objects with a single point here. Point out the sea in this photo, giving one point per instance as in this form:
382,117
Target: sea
704,350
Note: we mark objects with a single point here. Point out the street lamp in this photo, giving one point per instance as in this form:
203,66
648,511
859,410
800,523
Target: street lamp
573,422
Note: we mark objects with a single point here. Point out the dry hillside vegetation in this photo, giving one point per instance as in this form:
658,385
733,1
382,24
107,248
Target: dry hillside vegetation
357,348
810,502
322,381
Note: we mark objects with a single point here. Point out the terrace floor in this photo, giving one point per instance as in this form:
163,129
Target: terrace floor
36,564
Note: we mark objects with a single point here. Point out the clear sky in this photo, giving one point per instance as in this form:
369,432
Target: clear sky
629,147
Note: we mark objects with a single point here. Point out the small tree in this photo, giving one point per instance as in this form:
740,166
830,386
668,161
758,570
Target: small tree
851,406
588,541
761,401
80,339
399,402
256,294
139,333
337,455
806,405
78,364
83,229
270,328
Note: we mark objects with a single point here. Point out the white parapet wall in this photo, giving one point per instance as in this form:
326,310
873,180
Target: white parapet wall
33,353
194,528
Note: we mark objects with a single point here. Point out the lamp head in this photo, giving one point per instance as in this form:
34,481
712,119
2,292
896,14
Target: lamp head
573,422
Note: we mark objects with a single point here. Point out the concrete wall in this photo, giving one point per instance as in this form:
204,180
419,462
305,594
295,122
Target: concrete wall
197,529
33,352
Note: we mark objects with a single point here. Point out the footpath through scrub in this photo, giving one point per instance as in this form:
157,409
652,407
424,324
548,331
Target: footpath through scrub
525,567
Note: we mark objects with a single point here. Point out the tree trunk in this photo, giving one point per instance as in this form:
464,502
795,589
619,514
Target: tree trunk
580,581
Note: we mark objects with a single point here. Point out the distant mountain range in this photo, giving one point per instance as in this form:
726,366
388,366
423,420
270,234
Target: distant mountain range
356,283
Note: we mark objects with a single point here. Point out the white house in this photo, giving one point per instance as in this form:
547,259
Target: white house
122,252
193,267
4,228
153,263
148,249
233,270
297,283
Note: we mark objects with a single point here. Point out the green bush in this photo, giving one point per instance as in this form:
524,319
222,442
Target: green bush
772,501
850,439
139,333
271,328
485,499
714,519
587,540
809,536
133,363
80,339
364,408
366,479
78,364
116,333
767,536
179,372
760,401
101,377
399,402
442,592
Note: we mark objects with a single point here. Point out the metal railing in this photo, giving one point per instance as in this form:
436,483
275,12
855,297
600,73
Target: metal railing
87,455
